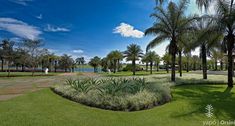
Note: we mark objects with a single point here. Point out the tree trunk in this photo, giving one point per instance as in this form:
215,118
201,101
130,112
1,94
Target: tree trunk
180,63
42,66
216,68
115,66
221,65
2,64
230,59
173,67
94,69
157,67
204,62
151,67
187,65
194,66
167,67
8,70
50,62
147,65
22,68
133,67
55,69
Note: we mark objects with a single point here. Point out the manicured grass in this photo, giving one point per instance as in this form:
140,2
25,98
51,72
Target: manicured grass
186,109
138,73
129,73
26,74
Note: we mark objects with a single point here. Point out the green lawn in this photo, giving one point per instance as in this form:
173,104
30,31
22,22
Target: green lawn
129,73
186,109
138,73
26,74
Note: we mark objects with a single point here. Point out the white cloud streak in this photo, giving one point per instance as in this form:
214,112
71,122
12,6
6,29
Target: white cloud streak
50,28
78,51
21,2
127,30
19,28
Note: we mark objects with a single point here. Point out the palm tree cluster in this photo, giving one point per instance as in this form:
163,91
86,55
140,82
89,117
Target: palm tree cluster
30,56
213,34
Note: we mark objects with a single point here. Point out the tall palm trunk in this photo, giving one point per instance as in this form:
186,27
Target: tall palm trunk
22,68
157,66
204,62
180,63
133,67
173,67
194,66
187,64
221,65
115,66
230,59
167,67
216,68
147,65
151,67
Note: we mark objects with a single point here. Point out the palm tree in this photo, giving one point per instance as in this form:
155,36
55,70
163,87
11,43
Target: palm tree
225,21
157,61
166,59
104,63
215,56
115,57
133,53
95,62
145,60
195,61
207,37
170,24
151,57
66,62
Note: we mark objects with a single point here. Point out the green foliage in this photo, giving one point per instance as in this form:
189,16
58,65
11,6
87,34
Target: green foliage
126,94
129,67
83,86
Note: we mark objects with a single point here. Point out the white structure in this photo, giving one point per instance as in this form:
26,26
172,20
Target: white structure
109,71
46,71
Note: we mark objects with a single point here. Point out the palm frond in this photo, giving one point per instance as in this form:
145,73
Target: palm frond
158,40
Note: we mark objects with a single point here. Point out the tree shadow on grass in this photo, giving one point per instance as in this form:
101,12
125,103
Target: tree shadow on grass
199,96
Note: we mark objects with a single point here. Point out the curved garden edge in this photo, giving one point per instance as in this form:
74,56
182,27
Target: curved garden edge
146,107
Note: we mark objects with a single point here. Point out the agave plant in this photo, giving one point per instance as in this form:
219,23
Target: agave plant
114,87
83,86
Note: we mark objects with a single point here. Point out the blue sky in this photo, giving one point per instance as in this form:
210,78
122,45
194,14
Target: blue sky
80,27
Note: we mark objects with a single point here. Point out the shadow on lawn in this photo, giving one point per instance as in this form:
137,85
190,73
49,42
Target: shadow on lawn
222,101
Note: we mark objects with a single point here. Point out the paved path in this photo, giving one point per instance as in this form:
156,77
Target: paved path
15,86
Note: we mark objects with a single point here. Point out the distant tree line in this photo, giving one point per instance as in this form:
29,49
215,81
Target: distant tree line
29,55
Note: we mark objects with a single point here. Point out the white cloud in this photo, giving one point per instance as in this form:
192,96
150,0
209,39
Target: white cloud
50,28
21,2
19,28
78,51
39,16
127,30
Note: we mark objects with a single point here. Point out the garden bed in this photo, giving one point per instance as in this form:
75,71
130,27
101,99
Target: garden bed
118,94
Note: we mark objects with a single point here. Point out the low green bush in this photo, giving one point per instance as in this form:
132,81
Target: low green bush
120,94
